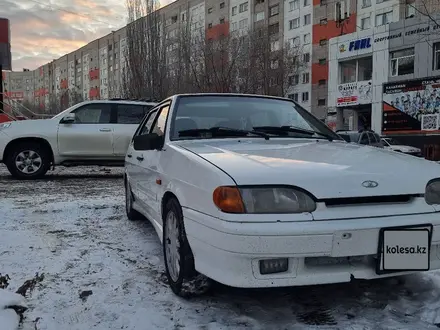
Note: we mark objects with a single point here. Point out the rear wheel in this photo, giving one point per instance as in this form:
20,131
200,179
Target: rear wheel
28,161
132,214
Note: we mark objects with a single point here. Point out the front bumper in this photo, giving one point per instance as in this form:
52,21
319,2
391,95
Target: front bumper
317,250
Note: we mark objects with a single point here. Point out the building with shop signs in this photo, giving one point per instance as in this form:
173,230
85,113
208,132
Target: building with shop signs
388,78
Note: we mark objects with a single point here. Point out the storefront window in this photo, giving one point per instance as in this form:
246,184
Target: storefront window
348,71
356,70
365,68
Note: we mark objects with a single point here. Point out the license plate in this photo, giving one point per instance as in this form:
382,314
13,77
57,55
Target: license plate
404,249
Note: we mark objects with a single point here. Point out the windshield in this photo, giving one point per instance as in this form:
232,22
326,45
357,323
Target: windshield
391,142
244,113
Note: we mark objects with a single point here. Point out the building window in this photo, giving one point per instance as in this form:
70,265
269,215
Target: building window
356,70
307,19
321,102
293,97
294,23
294,42
323,42
402,62
222,21
410,10
306,57
259,16
275,45
234,11
209,25
234,26
274,28
243,23
322,61
365,23
323,21
294,80
307,38
222,5
293,5
323,2
306,3
385,18
306,78
243,7
209,10
366,3
322,82
274,10
436,47
305,96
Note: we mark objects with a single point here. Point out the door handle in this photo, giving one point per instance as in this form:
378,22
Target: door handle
105,130
140,158
129,155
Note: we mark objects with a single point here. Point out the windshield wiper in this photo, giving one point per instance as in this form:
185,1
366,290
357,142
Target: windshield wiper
219,130
292,129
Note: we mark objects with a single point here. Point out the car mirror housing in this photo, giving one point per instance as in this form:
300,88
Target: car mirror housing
150,141
68,119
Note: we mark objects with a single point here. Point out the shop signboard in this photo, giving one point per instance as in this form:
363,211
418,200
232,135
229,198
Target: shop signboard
354,93
411,106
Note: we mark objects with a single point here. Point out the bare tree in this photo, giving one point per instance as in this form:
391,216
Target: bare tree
145,69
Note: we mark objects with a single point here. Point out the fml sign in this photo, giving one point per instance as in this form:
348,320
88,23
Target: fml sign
364,43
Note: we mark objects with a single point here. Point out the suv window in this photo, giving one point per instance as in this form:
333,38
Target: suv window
131,113
364,139
94,113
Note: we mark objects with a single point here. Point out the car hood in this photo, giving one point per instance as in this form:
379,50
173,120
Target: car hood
325,169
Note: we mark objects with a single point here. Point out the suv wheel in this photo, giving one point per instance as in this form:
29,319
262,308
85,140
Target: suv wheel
28,160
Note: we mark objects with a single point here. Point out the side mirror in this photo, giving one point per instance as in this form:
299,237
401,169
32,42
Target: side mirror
148,142
68,119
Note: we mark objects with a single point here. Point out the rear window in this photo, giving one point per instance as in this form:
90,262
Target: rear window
132,113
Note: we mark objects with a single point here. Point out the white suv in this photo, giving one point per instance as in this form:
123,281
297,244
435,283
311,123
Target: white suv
89,133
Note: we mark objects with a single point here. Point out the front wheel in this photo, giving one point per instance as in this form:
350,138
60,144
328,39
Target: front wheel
28,161
179,260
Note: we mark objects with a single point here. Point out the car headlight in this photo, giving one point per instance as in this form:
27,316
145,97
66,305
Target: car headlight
262,200
432,192
5,125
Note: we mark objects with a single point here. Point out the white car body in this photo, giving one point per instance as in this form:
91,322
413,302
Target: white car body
75,143
335,243
401,148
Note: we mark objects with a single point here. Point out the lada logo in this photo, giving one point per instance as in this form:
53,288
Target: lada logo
370,184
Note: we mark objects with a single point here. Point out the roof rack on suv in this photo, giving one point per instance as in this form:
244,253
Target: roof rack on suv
145,99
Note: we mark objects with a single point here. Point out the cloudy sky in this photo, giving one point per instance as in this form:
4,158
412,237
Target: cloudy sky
43,30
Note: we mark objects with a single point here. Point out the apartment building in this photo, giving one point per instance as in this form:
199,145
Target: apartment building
94,71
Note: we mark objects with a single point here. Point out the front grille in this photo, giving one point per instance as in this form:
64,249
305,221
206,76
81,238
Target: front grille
393,199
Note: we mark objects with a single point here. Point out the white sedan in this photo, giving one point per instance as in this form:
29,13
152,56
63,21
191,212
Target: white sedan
254,191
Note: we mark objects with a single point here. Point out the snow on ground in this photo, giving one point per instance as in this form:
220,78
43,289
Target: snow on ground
104,272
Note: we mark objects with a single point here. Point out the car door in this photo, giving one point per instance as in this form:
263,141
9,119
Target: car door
363,139
91,135
134,159
149,183
128,118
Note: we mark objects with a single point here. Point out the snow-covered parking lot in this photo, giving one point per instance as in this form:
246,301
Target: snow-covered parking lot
97,270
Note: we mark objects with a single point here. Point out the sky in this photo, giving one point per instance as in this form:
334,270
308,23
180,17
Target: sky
44,30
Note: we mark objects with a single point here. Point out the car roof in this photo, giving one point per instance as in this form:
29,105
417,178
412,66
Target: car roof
234,94
120,102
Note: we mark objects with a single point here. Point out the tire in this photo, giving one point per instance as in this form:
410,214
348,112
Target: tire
132,214
184,279
32,153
